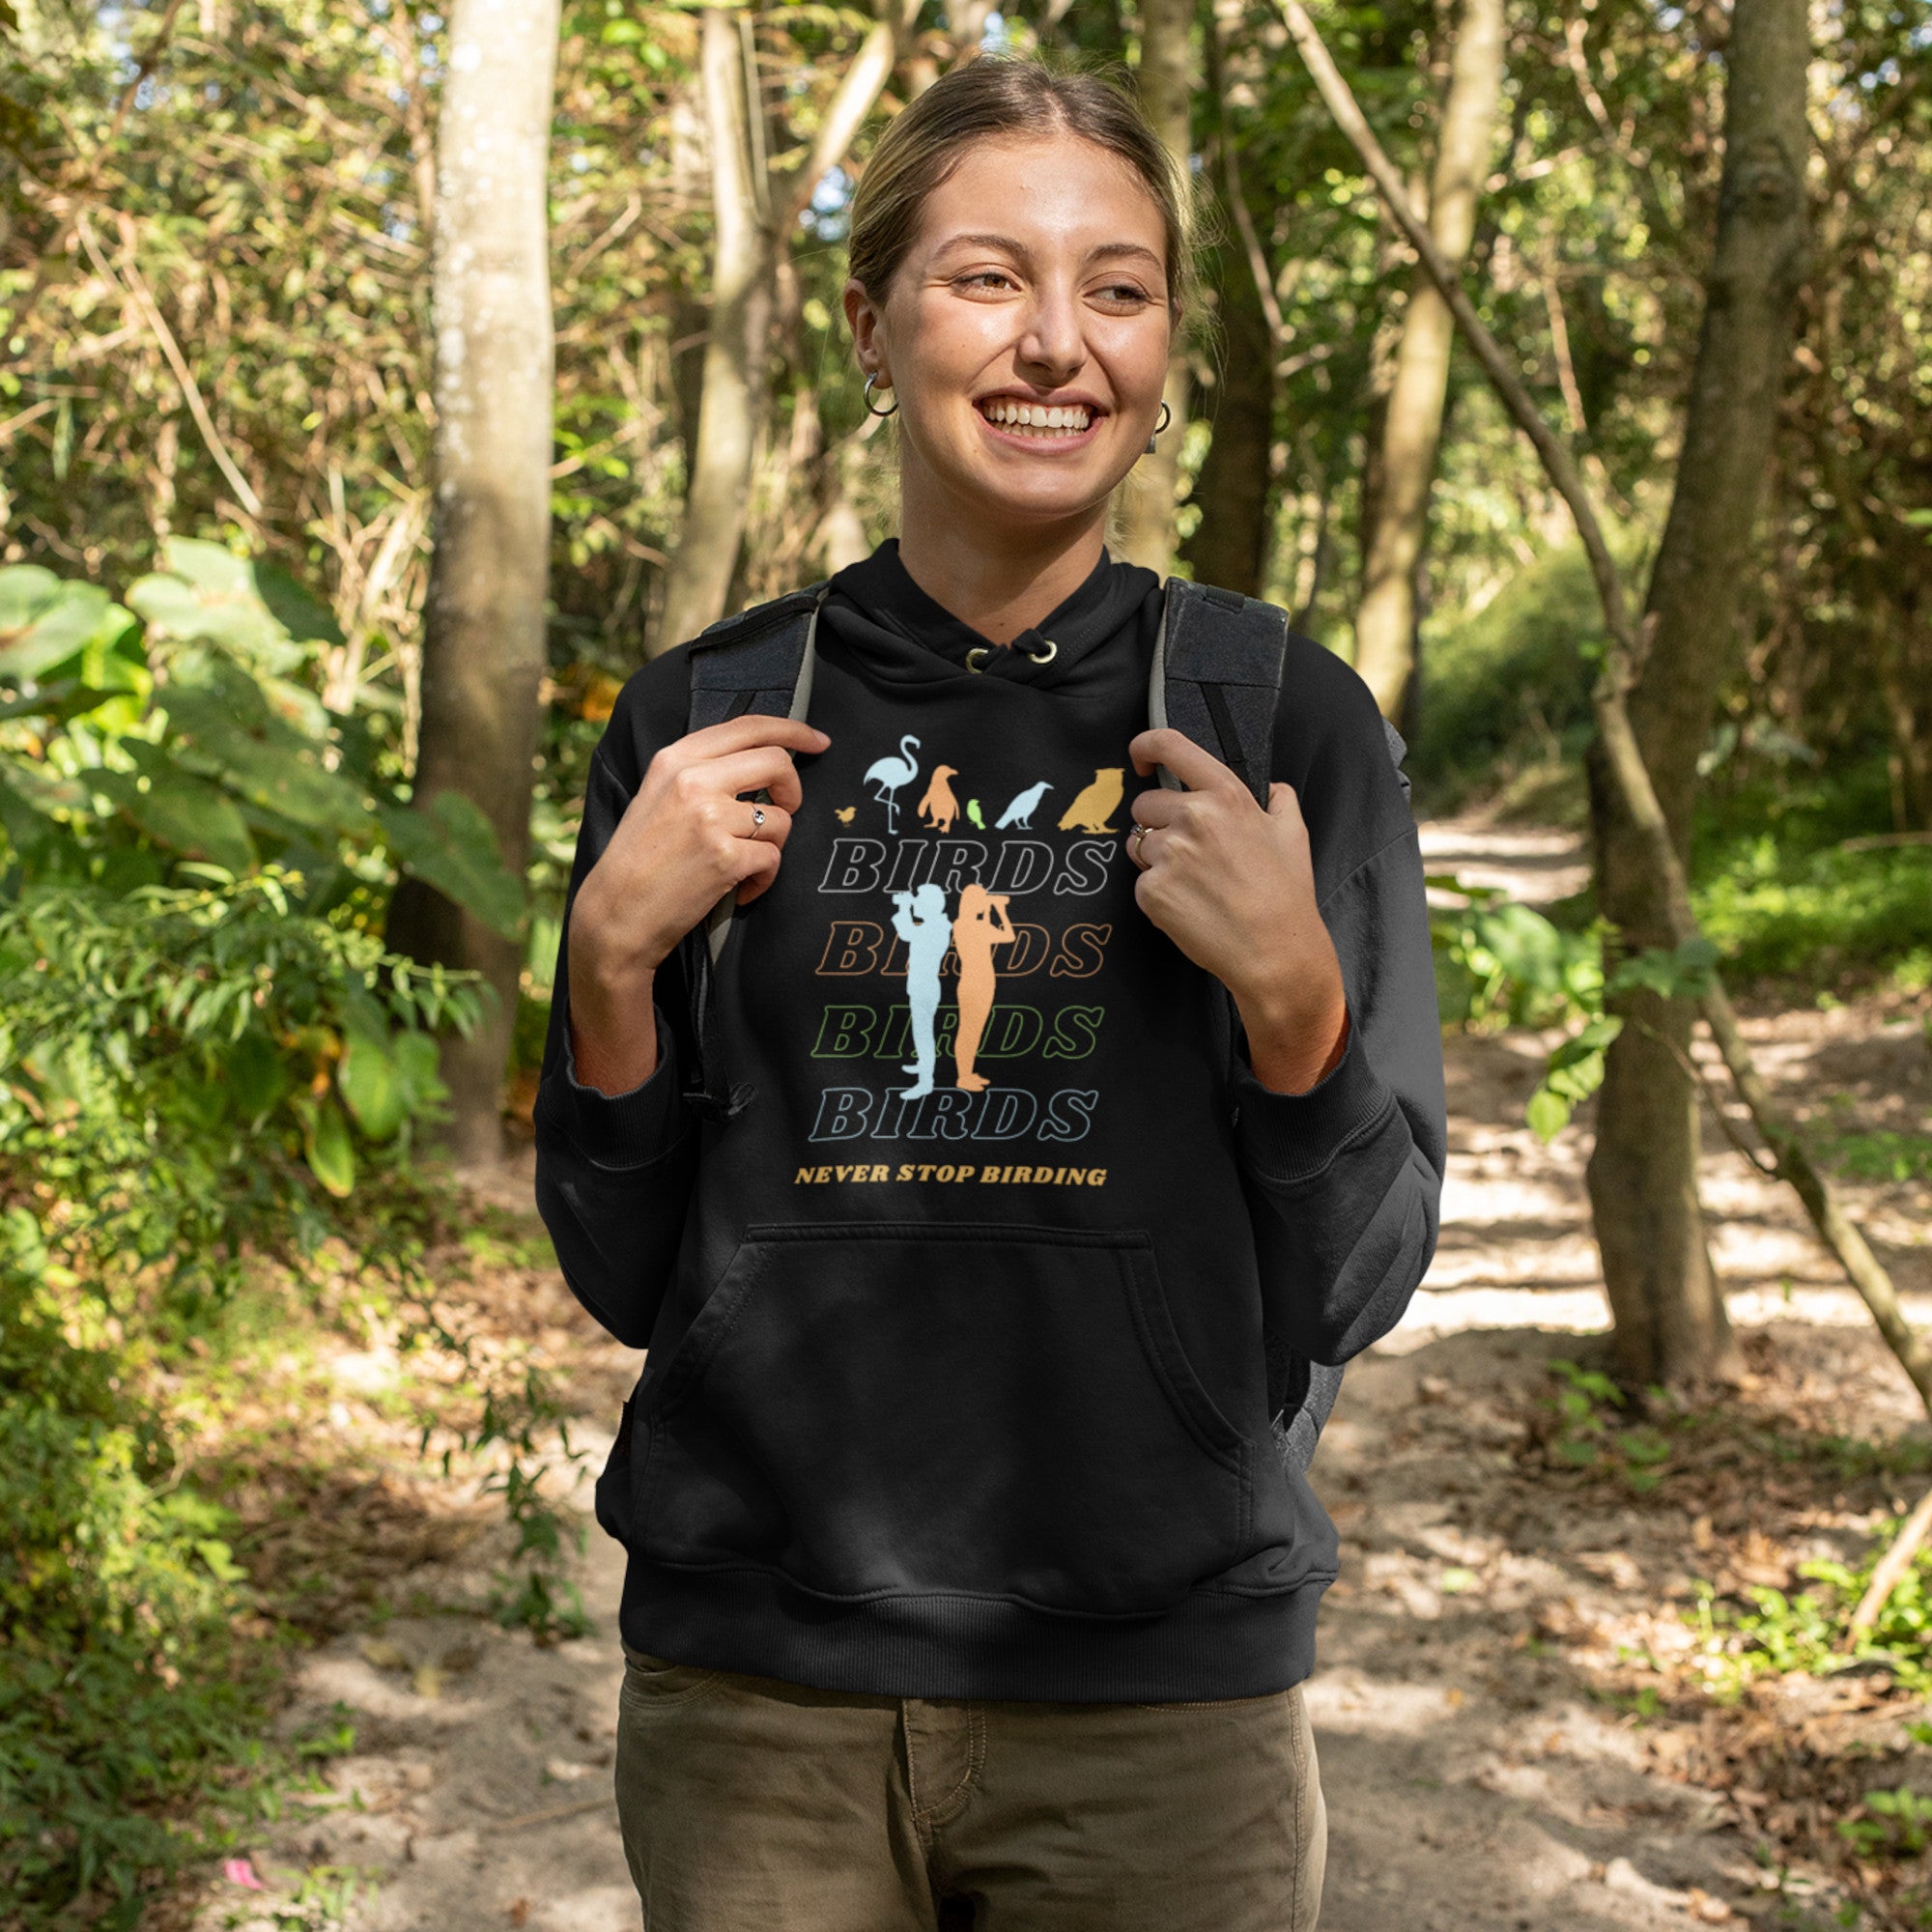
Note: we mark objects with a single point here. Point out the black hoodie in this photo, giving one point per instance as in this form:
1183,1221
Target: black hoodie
958,1384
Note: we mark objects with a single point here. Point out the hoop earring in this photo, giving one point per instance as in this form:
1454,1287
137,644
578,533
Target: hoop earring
1166,417
895,409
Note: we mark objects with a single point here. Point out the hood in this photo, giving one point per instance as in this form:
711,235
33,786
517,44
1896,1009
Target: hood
892,632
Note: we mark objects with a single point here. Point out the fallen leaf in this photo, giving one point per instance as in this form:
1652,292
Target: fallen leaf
239,1871
520,1912
382,1653
428,1681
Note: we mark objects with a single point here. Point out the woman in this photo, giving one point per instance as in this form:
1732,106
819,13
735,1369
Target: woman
981,924
967,1583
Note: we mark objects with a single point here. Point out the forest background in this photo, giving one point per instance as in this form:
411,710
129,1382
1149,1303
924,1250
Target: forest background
307,631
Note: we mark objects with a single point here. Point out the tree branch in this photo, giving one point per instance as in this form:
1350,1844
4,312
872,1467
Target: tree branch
863,82
150,312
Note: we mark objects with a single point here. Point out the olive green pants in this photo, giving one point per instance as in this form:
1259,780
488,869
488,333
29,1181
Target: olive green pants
750,1804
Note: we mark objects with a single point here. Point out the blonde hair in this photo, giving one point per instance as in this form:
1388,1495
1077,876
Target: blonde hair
1009,96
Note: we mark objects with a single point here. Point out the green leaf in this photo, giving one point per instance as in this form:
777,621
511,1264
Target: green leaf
302,613
327,1143
263,758
77,616
210,567
26,589
453,848
208,594
185,814
1684,972
1594,1036
417,1067
221,1559
372,1087
1548,1113
257,1075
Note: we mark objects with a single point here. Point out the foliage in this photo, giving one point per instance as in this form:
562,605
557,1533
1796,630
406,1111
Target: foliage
210,1066
1777,912
118,1684
212,746
179,1095
1882,1154
1590,1435
1500,963
1895,1825
1509,680
1808,1631
217,1023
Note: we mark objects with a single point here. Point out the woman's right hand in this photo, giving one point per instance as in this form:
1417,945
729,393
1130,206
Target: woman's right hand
684,841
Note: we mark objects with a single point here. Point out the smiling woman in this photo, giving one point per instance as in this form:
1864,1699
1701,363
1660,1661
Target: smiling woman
987,1128
1028,358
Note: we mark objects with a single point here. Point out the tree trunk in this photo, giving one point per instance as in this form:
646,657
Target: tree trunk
483,637
1412,424
1229,545
1167,83
735,384
1670,1321
753,216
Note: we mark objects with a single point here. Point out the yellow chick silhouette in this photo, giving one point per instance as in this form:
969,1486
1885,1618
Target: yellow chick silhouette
844,814
1095,802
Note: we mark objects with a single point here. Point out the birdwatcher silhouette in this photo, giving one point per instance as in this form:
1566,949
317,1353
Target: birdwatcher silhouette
981,926
920,920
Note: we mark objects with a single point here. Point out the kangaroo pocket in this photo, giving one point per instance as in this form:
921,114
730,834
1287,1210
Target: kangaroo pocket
889,1407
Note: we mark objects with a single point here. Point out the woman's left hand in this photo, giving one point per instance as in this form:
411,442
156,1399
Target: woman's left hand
1234,887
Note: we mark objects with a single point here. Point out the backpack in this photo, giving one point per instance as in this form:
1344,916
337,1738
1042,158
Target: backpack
1216,676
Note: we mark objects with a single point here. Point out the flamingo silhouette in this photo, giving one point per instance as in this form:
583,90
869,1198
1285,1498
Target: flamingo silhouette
889,774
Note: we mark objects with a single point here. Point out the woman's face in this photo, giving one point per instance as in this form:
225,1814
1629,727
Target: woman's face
1025,335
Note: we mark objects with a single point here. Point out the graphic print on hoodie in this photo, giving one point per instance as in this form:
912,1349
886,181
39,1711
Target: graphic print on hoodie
957,1380
980,979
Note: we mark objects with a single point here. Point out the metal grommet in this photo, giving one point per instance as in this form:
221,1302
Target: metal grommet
1044,657
976,658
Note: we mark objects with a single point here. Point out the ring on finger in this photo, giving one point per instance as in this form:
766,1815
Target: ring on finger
1135,844
757,819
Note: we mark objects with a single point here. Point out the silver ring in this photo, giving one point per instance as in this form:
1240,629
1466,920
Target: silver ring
758,816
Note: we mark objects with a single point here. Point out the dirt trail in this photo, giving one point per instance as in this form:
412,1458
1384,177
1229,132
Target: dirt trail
1485,1771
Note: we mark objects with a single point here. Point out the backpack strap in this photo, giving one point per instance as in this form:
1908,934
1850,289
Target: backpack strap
760,661
1216,676
1217,670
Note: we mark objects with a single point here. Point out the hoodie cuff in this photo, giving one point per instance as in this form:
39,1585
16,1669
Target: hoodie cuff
1291,1137
620,1130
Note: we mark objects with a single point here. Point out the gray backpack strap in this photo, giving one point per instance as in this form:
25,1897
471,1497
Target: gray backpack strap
760,661
1216,676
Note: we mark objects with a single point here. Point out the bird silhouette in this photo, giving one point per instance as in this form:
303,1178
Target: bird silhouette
938,808
889,774
973,812
847,813
1095,803
1021,809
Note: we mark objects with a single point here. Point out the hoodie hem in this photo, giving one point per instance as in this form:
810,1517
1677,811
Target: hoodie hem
1213,1644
